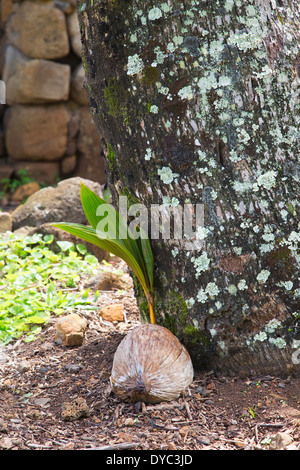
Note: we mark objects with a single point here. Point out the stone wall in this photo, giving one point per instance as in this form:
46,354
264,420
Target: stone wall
46,126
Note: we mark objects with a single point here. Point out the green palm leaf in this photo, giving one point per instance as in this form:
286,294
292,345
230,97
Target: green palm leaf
106,227
91,204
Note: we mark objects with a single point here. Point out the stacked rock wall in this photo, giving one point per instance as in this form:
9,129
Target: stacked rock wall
46,126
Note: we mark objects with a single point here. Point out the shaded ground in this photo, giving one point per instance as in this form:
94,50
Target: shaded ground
38,379
42,383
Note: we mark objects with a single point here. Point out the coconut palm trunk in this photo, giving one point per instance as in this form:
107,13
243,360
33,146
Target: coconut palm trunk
197,102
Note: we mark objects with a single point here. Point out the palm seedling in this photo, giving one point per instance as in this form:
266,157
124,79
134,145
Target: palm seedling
106,227
150,363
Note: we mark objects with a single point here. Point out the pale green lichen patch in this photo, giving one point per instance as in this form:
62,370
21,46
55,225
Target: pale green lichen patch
154,109
167,175
242,285
135,65
186,93
265,335
154,14
148,154
160,56
201,263
263,276
212,289
267,180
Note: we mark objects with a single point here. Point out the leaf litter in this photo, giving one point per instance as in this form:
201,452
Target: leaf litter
41,380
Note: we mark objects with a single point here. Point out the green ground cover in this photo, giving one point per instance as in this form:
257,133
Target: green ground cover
36,283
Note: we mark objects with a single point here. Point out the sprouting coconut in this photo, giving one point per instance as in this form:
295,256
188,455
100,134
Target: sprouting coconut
151,365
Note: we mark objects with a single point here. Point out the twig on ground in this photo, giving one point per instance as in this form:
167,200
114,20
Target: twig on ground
188,411
120,446
276,425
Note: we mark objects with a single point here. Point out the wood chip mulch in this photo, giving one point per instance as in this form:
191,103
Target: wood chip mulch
39,381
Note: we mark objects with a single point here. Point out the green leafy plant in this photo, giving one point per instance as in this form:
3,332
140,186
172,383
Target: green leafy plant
35,282
110,232
252,412
11,184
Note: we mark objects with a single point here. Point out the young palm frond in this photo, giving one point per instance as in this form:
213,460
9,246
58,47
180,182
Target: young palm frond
106,227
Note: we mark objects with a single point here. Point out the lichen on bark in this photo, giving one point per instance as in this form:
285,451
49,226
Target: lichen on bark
199,102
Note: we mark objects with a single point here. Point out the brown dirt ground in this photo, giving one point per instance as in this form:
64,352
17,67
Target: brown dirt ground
40,378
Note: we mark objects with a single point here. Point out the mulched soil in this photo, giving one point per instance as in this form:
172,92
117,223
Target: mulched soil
40,380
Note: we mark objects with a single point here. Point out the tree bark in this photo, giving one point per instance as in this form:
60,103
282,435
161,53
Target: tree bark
198,102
